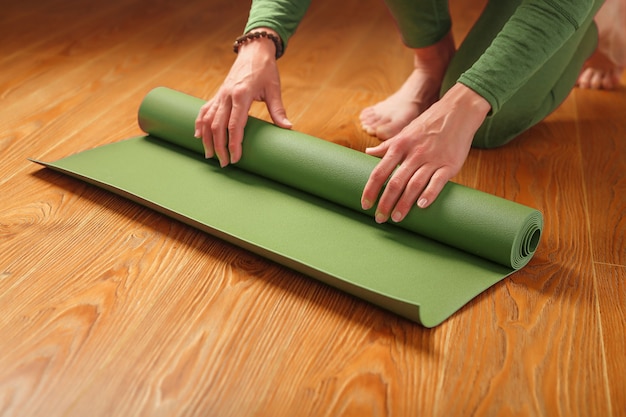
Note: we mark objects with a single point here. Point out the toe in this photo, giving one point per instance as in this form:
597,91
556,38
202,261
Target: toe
387,130
583,78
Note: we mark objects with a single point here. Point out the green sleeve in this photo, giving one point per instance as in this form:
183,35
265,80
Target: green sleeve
536,30
421,22
283,16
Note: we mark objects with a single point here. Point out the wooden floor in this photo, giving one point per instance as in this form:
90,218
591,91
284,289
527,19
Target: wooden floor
110,309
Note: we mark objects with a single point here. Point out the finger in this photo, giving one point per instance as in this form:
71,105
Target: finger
395,190
218,129
377,179
415,186
198,124
437,181
206,132
236,124
276,109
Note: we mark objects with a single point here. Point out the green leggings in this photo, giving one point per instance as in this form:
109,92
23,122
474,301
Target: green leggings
427,21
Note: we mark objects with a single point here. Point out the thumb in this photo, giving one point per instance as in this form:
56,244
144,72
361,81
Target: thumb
277,111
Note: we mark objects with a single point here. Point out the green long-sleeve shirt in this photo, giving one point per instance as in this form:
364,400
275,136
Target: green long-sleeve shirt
530,35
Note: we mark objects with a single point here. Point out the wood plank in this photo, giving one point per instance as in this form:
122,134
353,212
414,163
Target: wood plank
603,155
611,284
556,289
603,152
62,104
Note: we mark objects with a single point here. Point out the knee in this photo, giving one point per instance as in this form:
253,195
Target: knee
496,132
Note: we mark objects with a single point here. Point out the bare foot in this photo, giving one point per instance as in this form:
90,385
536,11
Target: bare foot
599,73
388,117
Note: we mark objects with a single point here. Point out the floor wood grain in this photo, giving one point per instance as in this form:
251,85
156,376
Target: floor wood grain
110,309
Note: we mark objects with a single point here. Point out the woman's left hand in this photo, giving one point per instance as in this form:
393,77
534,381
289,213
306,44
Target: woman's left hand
425,155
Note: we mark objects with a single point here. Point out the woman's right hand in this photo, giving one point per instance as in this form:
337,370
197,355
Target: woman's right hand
253,76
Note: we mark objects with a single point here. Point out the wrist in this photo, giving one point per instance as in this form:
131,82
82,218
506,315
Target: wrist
262,38
466,98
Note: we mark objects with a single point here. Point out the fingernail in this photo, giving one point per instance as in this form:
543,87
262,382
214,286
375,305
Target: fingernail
380,218
422,203
396,216
366,204
196,134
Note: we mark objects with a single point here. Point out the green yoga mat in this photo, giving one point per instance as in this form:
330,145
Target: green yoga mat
295,200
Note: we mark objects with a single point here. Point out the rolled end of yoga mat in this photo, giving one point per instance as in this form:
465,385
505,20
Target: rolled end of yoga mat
482,224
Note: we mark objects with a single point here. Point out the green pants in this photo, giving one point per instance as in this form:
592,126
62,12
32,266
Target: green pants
424,22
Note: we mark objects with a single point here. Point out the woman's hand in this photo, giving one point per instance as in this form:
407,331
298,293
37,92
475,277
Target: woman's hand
419,161
253,76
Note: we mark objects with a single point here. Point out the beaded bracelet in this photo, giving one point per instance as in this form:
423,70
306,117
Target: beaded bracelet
256,35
